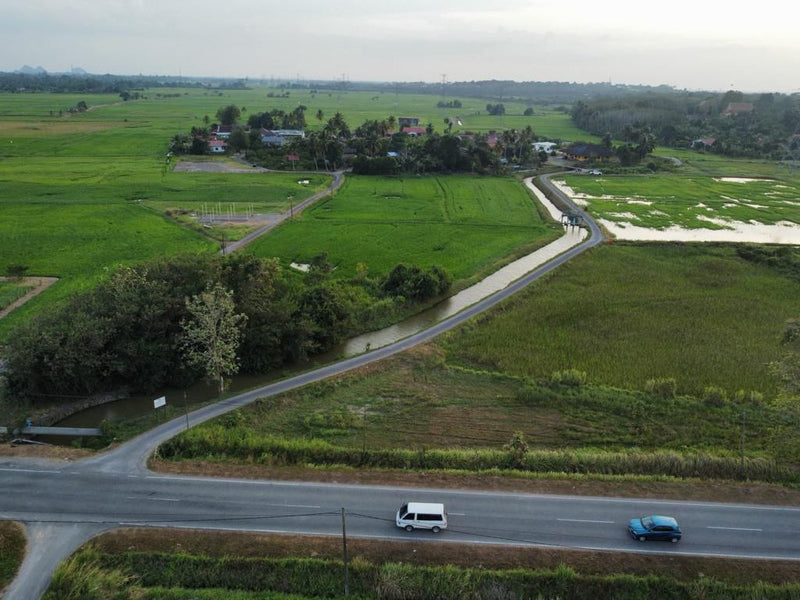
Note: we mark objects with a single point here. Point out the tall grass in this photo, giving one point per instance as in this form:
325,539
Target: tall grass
184,576
219,443
629,313
12,550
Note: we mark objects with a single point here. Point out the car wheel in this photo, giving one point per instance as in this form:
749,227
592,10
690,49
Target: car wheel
674,540
642,538
409,528
435,530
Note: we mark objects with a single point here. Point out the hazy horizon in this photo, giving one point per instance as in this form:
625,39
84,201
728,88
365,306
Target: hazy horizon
686,45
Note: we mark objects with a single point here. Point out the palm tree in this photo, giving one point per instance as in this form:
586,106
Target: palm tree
320,115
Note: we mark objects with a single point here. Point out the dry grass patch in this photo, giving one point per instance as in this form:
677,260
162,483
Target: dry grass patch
12,550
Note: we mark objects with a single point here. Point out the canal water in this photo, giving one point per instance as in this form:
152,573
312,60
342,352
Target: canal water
201,393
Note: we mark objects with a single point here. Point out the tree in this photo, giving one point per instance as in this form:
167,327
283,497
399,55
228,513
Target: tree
528,112
320,115
788,368
211,335
228,115
238,140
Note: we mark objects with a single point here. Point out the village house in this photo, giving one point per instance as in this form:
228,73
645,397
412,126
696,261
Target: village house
407,122
222,131
413,131
279,137
217,146
544,146
703,143
586,152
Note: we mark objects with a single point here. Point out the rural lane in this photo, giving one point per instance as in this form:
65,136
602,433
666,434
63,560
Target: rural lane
338,179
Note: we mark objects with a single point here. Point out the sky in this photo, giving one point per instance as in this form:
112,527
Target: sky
693,44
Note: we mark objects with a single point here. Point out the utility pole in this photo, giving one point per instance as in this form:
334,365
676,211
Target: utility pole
744,424
344,551
186,409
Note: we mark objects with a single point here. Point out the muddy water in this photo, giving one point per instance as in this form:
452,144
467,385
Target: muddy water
493,283
140,405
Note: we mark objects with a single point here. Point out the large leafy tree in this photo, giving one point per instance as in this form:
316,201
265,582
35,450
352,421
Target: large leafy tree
228,115
212,334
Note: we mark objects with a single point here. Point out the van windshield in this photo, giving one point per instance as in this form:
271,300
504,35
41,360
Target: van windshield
403,510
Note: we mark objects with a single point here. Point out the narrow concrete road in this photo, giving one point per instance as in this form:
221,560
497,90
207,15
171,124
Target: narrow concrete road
338,179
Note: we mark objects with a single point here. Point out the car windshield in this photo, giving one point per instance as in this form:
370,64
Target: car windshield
647,522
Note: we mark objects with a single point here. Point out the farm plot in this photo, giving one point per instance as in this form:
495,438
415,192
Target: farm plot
670,208
464,224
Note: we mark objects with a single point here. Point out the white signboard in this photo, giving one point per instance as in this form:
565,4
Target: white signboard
159,402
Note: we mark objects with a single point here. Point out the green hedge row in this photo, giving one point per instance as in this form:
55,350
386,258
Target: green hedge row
216,441
398,581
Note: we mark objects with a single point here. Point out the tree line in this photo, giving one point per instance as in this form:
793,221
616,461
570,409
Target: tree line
744,125
375,147
173,321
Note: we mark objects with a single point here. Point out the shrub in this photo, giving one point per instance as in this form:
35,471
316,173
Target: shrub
570,377
662,387
749,396
714,396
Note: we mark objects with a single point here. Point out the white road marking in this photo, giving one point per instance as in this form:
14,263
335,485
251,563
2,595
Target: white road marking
734,528
457,514
28,471
159,499
584,521
294,505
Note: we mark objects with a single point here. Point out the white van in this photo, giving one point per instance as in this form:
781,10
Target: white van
422,515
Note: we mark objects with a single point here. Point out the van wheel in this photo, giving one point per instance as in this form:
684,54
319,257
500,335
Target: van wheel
409,528
435,530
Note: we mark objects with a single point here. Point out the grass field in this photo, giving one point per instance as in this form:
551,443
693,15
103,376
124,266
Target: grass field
628,313
462,223
87,191
425,401
11,291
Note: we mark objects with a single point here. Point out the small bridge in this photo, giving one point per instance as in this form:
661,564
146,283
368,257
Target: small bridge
74,431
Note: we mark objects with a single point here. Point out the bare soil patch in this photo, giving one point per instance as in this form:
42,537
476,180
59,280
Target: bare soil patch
745,493
48,452
188,166
426,552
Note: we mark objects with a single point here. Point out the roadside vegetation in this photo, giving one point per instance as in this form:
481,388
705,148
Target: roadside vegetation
12,550
185,564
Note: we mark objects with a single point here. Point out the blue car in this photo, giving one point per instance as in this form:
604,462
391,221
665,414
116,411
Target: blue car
654,527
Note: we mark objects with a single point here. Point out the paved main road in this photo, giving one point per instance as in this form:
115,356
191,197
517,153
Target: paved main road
62,506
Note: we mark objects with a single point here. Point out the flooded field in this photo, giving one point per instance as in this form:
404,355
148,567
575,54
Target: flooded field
762,211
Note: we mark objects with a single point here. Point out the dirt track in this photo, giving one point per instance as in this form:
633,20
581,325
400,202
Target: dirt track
41,283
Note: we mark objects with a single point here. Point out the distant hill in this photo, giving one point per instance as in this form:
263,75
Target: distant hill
28,70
